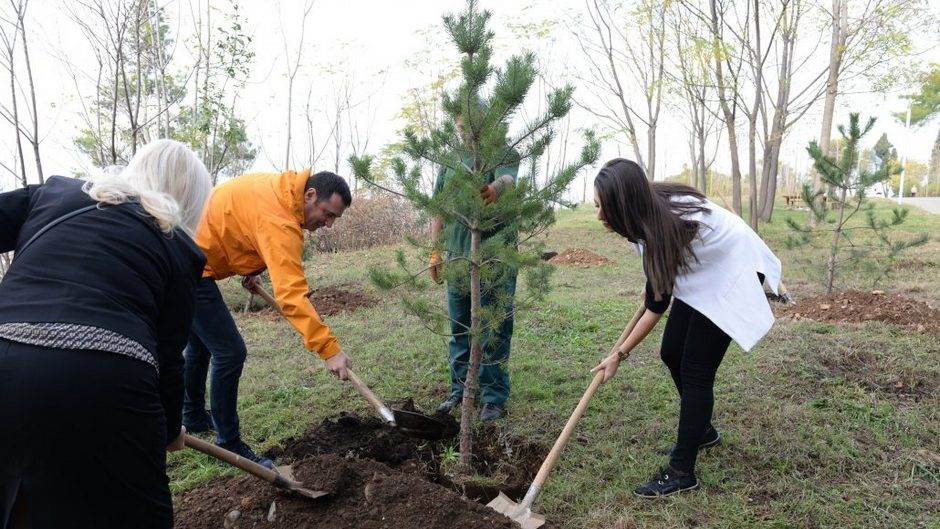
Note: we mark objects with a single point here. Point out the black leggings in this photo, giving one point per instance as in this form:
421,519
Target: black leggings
82,441
692,349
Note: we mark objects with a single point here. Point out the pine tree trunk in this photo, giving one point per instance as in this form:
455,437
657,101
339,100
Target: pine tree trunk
472,384
834,250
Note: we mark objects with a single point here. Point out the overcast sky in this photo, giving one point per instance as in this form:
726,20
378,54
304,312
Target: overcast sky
369,42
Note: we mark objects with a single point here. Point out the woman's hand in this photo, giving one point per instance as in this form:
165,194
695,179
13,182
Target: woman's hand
608,366
178,443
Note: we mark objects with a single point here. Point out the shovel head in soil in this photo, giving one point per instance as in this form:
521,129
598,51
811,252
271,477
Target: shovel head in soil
419,425
282,478
289,483
521,514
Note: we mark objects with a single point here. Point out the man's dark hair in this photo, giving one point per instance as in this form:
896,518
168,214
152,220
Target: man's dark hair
327,183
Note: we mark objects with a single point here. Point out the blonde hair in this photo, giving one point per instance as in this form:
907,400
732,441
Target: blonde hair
167,178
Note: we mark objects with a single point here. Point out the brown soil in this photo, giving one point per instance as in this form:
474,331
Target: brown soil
369,495
579,257
859,307
342,298
378,478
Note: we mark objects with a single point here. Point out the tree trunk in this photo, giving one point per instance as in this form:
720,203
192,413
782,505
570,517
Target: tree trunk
651,150
32,94
934,171
834,250
729,117
702,170
472,384
16,124
752,172
836,51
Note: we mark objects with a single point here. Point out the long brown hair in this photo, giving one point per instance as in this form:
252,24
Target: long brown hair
644,211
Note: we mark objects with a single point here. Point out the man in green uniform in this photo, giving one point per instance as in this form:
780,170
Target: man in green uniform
494,377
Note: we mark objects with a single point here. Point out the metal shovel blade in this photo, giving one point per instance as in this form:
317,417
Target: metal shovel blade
291,484
419,424
517,513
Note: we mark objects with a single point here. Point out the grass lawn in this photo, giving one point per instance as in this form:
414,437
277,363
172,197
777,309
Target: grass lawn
807,441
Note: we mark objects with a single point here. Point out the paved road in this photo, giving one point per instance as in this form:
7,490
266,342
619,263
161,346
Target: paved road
931,204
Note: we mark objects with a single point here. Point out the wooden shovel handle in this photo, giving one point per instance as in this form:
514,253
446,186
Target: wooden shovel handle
354,379
370,397
566,432
268,298
233,459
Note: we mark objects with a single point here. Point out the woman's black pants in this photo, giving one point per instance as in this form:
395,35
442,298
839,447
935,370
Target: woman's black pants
82,441
692,349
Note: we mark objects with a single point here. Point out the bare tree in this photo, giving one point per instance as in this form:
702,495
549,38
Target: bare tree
9,37
292,66
725,74
635,49
864,40
692,67
32,136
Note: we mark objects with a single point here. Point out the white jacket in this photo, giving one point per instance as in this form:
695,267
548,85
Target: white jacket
723,283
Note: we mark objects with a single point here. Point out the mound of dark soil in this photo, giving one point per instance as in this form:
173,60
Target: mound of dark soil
579,257
342,298
366,495
378,478
854,306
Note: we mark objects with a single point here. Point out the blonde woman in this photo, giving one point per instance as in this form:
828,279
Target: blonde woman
94,313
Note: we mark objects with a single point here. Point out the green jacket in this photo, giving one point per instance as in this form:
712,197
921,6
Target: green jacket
458,235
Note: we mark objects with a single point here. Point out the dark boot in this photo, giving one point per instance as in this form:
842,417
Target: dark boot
242,449
200,424
711,438
491,411
666,482
450,403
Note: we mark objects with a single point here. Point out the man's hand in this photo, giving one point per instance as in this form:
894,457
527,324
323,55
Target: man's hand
337,364
608,366
251,283
435,267
178,443
489,194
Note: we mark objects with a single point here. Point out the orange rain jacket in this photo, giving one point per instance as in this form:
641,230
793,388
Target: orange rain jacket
254,222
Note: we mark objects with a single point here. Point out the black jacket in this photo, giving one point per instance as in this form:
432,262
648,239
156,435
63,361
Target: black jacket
110,267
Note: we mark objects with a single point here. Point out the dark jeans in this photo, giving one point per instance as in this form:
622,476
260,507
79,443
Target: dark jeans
82,441
214,337
692,349
494,375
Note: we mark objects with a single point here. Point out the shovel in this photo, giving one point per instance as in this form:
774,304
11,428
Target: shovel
281,478
412,423
522,513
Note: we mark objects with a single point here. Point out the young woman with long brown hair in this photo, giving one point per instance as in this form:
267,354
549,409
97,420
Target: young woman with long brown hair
711,265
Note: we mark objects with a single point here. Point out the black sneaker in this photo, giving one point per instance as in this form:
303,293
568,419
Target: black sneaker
491,412
666,482
201,424
452,402
242,449
711,438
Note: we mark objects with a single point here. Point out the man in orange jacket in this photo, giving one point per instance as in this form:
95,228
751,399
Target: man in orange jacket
252,223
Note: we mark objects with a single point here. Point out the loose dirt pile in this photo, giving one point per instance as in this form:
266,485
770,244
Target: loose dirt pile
854,306
366,495
341,298
579,257
378,478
